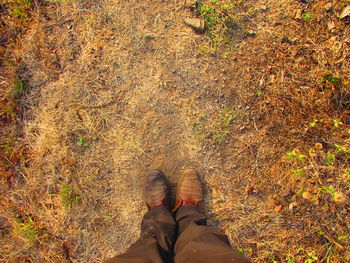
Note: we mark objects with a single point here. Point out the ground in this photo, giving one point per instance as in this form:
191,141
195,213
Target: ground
258,105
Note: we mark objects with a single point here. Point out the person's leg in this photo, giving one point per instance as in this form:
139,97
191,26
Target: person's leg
158,226
197,242
156,242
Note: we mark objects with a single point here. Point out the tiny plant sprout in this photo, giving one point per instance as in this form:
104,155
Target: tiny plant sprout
337,123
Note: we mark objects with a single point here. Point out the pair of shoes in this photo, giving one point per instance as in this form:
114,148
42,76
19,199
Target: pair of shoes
156,190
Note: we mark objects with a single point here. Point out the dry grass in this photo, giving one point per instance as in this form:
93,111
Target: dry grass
119,87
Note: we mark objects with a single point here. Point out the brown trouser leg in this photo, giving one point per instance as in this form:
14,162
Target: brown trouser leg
156,242
198,243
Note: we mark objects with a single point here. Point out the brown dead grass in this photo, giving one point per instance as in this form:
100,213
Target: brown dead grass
117,88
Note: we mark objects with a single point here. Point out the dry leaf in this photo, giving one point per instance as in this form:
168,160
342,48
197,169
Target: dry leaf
339,197
278,209
292,206
345,12
310,197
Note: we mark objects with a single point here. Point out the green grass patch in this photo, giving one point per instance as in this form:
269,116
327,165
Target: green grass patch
223,25
214,127
68,196
19,8
27,229
9,101
82,142
308,16
19,88
329,81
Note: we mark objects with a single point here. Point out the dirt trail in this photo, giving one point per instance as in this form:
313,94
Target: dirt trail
130,83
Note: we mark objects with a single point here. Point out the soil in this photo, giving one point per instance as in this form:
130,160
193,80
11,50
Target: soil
118,88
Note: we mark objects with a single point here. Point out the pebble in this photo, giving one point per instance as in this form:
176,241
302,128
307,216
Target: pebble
196,24
189,3
328,6
345,12
264,7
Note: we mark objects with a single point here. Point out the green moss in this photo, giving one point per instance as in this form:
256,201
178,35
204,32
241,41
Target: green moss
19,87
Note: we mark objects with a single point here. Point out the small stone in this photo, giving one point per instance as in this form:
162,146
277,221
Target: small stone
345,12
298,14
196,24
328,6
189,3
264,7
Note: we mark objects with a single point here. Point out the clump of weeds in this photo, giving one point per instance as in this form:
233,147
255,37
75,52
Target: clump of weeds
321,180
19,88
214,127
82,142
223,25
19,8
68,196
27,229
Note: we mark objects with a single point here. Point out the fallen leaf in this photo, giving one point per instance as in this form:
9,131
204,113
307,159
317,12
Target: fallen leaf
310,197
331,26
318,146
278,209
298,14
292,206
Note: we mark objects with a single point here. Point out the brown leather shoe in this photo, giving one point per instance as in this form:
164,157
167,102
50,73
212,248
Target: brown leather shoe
190,190
155,190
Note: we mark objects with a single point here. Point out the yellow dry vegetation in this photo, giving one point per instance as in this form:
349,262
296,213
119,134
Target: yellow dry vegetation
96,92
